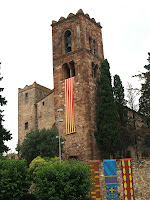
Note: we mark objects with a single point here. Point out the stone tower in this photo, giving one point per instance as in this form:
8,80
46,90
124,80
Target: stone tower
35,109
78,53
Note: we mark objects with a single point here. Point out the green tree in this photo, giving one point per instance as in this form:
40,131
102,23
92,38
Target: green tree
65,181
120,101
4,134
144,101
107,123
41,143
14,179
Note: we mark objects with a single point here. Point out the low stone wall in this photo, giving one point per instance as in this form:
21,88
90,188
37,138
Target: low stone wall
141,179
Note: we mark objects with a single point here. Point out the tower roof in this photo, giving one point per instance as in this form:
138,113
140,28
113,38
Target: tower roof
71,15
34,85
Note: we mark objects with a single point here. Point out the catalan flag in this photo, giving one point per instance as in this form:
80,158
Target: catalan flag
70,126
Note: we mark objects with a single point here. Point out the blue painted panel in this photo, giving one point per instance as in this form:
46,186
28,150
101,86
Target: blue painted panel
110,167
111,179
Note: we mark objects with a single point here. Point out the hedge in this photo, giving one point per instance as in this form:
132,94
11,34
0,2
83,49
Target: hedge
65,181
14,179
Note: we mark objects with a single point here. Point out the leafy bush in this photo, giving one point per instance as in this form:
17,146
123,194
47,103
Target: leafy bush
69,180
51,160
28,197
2,157
36,162
14,179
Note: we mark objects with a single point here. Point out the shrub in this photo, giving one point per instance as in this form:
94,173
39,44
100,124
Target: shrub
51,160
14,179
36,162
28,196
69,180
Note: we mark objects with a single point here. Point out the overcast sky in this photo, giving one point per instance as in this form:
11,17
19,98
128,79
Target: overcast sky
26,43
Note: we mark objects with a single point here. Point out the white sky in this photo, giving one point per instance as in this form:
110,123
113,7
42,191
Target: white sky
26,43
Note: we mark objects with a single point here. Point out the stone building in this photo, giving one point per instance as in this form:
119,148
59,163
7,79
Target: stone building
77,56
78,53
35,109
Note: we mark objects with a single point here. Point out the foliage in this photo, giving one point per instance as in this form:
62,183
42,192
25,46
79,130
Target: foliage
144,101
4,134
28,196
2,157
127,138
147,140
14,179
51,160
65,181
120,101
41,143
36,162
107,133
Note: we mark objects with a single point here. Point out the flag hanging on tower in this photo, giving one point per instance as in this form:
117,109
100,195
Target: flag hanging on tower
70,126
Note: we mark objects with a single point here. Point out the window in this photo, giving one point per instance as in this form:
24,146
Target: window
72,69
93,66
94,70
68,41
94,43
68,70
26,125
26,95
73,157
43,103
90,44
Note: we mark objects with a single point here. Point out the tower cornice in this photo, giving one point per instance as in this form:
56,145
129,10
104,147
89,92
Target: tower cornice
71,16
74,52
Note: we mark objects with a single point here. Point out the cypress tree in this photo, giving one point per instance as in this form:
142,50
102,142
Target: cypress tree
107,133
125,134
144,101
4,134
120,101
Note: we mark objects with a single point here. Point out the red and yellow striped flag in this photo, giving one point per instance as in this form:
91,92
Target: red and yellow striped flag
70,126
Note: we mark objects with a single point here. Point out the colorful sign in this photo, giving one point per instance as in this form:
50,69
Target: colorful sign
95,191
126,168
111,179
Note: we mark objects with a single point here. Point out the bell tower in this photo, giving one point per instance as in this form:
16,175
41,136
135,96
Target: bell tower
77,56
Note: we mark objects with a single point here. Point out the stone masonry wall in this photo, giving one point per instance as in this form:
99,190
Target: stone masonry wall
26,111
45,112
27,108
141,179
